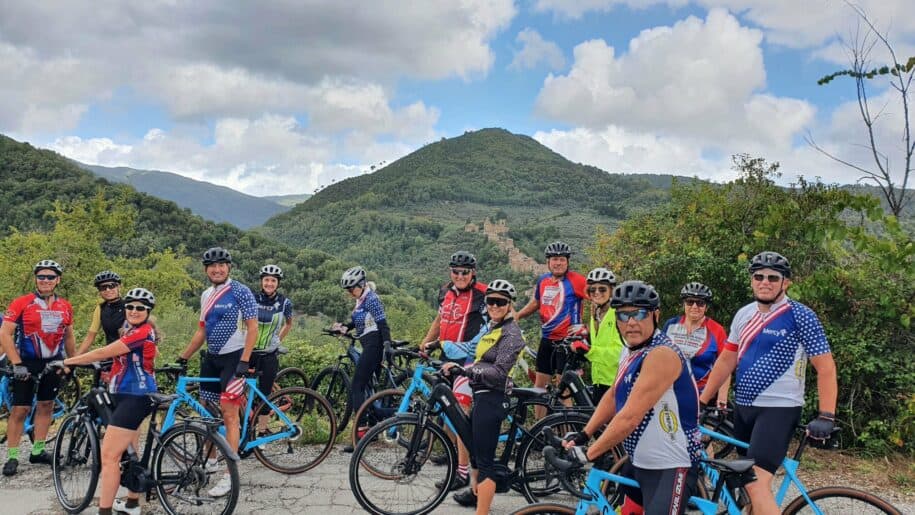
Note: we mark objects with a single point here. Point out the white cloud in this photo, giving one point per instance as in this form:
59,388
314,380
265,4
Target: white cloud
534,50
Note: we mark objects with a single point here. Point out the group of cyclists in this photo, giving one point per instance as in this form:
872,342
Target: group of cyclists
650,380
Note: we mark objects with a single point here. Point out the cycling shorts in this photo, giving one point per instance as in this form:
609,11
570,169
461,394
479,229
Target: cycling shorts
662,491
130,411
549,361
220,366
489,410
23,391
267,366
768,430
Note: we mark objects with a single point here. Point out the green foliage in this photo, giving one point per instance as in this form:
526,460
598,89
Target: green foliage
894,70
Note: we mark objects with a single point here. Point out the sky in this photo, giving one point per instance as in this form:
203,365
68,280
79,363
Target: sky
277,97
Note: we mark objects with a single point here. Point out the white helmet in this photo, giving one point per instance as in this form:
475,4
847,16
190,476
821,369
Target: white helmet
273,270
47,264
601,275
352,278
142,295
501,286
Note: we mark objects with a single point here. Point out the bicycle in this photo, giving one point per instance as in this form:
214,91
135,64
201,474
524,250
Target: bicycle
401,447
59,409
300,424
173,461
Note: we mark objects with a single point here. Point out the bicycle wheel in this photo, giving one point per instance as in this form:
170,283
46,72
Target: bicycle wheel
716,448
290,376
378,407
545,508
409,485
314,428
333,384
535,482
833,500
70,391
76,463
182,477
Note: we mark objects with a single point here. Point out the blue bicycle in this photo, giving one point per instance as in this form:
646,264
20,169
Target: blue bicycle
69,390
291,431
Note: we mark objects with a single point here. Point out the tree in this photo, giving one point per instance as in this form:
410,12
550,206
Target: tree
885,174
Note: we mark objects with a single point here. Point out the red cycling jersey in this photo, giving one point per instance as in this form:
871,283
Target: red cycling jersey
560,302
40,325
461,312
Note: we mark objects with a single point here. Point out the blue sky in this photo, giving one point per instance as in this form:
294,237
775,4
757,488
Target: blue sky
275,98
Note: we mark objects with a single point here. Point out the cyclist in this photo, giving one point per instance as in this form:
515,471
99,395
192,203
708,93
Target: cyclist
109,312
558,297
495,355
372,329
769,344
132,379
36,330
460,317
274,318
228,325
606,346
700,338
652,409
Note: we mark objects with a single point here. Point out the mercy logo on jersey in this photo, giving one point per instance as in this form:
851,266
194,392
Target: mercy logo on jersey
775,332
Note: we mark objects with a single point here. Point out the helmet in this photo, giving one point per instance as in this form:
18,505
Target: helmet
463,258
635,293
501,286
141,294
696,291
773,260
47,264
353,277
107,276
216,255
273,270
558,248
601,275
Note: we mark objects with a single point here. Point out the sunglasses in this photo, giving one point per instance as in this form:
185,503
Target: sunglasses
598,289
497,301
461,271
107,286
44,277
639,315
772,278
695,302
137,307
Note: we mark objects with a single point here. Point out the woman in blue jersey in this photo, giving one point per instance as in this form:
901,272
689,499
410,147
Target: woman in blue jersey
132,379
371,328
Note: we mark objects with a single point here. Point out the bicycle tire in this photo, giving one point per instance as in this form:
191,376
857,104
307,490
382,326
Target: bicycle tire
193,444
334,385
70,391
76,448
380,450
316,427
530,471
721,449
388,399
545,508
833,500
290,376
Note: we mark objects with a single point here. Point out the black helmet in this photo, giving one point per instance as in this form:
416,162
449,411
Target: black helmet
216,255
502,287
463,258
107,276
635,293
272,270
558,248
47,264
772,260
601,275
696,291
352,278
142,295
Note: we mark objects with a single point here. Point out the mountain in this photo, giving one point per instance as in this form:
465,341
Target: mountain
288,200
208,200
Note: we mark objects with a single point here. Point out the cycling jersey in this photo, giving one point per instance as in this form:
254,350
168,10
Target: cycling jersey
668,435
772,350
701,347
606,348
109,317
496,355
223,309
40,325
133,373
272,314
461,312
560,302
367,313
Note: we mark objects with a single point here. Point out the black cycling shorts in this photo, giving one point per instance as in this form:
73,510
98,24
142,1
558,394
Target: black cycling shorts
489,410
130,411
266,365
549,361
218,365
23,391
768,431
663,491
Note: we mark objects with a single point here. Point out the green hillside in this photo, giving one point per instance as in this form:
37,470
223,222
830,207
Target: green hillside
408,217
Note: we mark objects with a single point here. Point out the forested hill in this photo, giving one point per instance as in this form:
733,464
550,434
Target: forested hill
208,200
407,218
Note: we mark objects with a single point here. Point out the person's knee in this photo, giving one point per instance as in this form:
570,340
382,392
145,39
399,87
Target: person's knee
19,413
763,483
44,407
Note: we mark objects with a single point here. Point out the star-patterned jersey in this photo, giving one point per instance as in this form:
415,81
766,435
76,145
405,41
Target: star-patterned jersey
272,314
701,347
560,303
134,373
40,326
772,350
223,310
367,313
668,435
